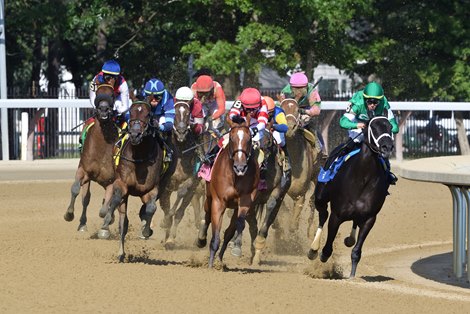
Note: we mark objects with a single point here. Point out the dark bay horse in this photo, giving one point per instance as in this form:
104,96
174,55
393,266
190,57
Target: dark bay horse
305,161
137,174
235,177
96,160
356,193
180,177
267,202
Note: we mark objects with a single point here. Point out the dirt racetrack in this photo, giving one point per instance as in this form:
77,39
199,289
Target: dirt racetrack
46,266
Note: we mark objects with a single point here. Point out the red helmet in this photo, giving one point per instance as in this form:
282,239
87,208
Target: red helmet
204,83
250,98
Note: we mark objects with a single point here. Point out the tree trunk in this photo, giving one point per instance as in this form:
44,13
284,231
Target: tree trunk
461,133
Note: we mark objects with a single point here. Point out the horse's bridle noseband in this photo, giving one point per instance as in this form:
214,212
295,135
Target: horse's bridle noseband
373,139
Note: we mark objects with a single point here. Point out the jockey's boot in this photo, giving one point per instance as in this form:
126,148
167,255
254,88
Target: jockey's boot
210,156
262,185
392,178
286,169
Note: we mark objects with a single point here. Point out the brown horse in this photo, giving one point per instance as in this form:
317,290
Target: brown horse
267,202
305,161
235,177
180,177
137,174
96,160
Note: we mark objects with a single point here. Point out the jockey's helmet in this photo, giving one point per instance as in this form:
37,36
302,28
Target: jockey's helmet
250,98
270,103
204,83
154,87
111,67
373,90
298,79
184,93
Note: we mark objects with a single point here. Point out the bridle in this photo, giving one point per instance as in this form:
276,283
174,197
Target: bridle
186,130
239,150
143,124
296,118
372,138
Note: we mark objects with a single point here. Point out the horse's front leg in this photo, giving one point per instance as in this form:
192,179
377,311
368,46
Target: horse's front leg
86,196
202,235
74,191
357,250
150,209
123,227
119,190
333,225
217,211
167,220
108,193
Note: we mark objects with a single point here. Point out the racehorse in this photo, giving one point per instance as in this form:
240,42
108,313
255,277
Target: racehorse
96,160
357,192
305,161
137,174
235,177
267,202
180,177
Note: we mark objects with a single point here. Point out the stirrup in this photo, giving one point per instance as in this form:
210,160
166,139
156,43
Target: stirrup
392,179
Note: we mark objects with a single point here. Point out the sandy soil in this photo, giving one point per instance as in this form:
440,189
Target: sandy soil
46,266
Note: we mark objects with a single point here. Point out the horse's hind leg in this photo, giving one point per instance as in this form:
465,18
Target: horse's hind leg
321,204
202,235
107,197
295,219
357,250
115,201
150,209
86,195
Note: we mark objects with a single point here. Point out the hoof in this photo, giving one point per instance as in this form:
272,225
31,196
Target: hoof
69,216
324,258
104,234
103,212
312,254
146,234
121,258
200,243
169,245
82,228
349,241
236,251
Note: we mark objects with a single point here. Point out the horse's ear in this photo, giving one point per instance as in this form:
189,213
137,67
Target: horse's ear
132,95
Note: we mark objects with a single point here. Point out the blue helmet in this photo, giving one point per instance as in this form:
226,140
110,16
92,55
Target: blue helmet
111,67
154,87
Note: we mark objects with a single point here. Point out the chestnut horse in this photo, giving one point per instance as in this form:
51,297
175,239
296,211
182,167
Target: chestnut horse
96,160
137,174
267,202
235,177
180,177
305,161
356,193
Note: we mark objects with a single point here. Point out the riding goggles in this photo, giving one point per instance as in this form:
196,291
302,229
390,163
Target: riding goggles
372,101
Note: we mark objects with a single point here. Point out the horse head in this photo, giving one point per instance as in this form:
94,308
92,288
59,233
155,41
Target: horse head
104,102
139,121
181,125
291,110
239,146
378,136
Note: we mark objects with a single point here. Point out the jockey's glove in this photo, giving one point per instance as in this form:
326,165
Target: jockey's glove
254,131
166,127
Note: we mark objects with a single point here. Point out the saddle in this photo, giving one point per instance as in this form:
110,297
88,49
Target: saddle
327,175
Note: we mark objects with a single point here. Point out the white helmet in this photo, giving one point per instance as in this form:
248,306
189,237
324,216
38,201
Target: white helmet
184,93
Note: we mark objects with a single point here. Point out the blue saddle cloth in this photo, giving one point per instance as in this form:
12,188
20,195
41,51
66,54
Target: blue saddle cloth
328,174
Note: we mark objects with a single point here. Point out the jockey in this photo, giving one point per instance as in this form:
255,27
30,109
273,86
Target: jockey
163,109
212,97
308,99
363,106
278,117
250,101
111,74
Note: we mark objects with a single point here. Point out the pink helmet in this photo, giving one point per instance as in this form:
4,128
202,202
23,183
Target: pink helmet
298,79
